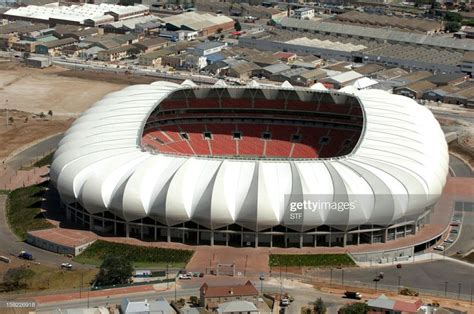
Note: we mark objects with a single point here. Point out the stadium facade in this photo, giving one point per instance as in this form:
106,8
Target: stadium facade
252,165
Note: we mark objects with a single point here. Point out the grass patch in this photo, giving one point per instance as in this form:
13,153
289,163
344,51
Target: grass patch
45,161
50,278
24,210
315,260
140,256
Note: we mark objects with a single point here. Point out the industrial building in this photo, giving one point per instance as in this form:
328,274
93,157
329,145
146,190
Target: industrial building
418,25
84,14
205,24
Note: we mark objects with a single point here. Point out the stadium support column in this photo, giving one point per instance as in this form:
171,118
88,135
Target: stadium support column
68,213
168,234
256,239
212,237
344,239
385,235
301,240
91,221
127,230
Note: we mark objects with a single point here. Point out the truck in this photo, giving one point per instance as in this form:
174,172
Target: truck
353,295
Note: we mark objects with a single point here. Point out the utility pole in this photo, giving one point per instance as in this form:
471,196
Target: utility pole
6,113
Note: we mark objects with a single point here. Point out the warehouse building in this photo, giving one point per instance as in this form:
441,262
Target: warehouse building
76,14
205,24
423,26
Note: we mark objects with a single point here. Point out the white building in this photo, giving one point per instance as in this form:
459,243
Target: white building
303,13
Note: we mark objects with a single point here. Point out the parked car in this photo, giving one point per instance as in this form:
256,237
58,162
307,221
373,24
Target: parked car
285,302
455,224
262,276
455,231
353,295
184,276
439,248
66,266
448,240
25,255
5,259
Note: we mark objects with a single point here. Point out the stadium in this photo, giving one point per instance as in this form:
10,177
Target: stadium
252,165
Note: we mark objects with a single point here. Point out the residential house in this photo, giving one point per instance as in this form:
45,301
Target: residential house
160,305
212,296
116,54
24,46
237,307
287,74
7,40
413,77
151,44
216,68
384,305
154,58
55,46
285,56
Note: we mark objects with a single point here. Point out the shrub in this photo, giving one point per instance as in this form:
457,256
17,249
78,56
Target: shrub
354,308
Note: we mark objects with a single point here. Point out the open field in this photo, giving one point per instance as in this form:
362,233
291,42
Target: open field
140,256
56,279
36,90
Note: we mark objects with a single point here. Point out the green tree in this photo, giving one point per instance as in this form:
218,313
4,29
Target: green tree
354,308
453,17
17,278
320,307
115,270
452,27
237,26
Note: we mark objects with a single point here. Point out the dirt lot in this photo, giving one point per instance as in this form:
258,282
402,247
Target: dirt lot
26,128
27,92
35,90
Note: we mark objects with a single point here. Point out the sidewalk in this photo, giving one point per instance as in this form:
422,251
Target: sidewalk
99,293
13,179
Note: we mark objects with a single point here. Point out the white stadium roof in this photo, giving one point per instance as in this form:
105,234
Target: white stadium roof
100,164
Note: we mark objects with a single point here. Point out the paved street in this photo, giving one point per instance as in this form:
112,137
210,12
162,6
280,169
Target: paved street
459,167
32,153
426,275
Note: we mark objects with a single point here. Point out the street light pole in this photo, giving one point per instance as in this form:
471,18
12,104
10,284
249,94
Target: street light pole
167,281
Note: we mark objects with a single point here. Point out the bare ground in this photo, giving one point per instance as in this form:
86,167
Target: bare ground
36,90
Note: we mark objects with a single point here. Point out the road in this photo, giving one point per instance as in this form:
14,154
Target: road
302,295
459,167
32,153
424,275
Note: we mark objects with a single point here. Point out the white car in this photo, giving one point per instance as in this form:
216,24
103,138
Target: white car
66,265
184,276
439,248
448,240
285,302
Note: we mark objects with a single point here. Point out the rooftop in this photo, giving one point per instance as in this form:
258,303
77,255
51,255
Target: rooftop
246,289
